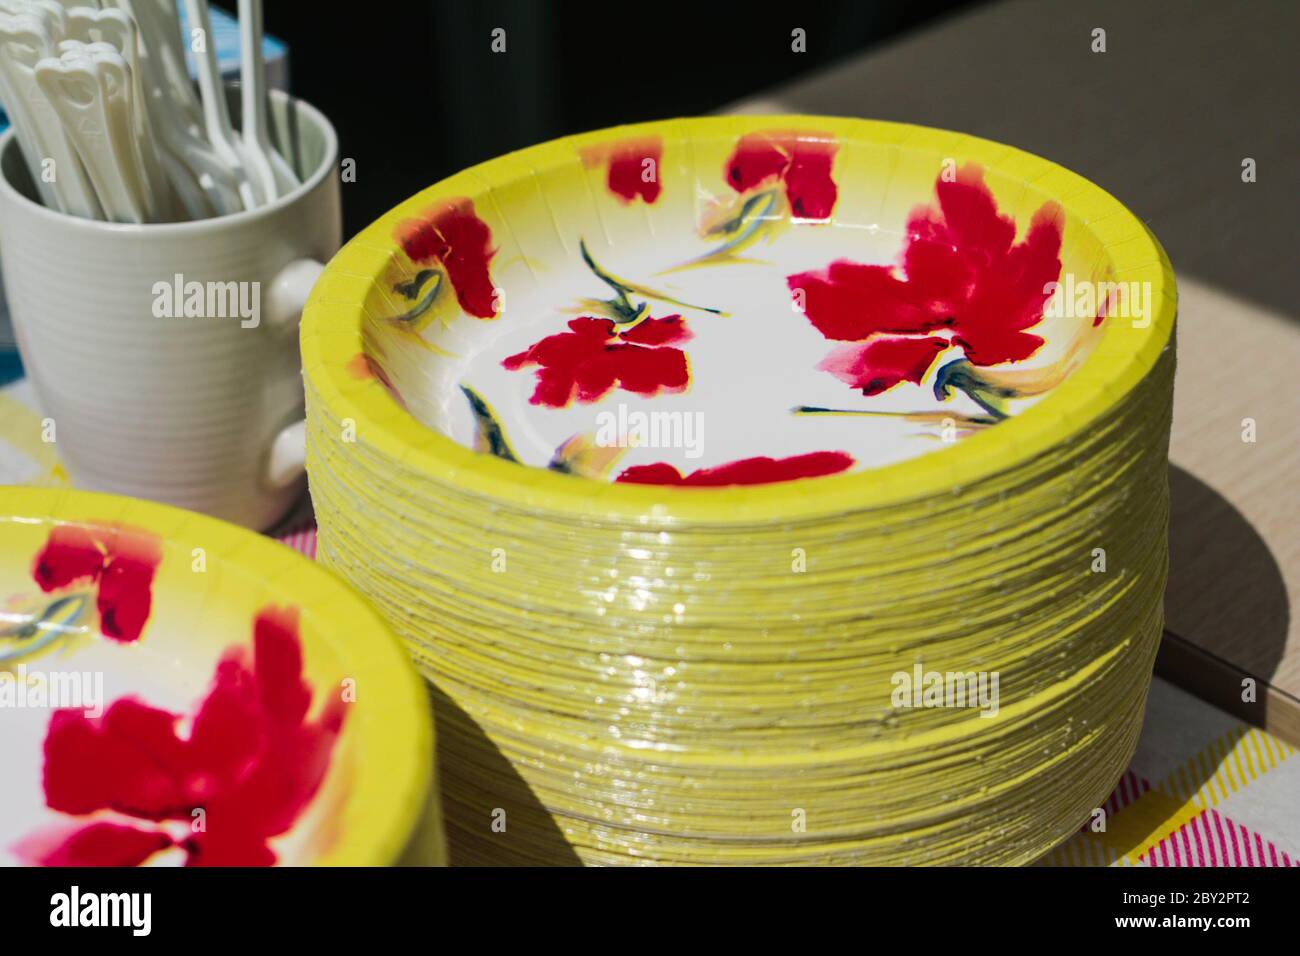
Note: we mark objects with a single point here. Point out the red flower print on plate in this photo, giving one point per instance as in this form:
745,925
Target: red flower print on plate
963,281
251,761
453,235
801,162
746,471
595,356
632,164
118,562
883,361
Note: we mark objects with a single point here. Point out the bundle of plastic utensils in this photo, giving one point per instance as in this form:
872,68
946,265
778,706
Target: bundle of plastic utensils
108,119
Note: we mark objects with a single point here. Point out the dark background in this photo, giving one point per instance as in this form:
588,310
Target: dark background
416,92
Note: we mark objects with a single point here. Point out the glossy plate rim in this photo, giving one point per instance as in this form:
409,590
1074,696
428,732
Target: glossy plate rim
331,337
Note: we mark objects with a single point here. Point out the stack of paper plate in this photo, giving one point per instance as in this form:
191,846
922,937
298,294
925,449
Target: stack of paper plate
758,490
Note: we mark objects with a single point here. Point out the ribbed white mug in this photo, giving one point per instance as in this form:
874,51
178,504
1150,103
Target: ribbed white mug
192,399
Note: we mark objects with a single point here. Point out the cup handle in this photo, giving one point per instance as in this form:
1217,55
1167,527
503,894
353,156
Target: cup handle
288,293
287,461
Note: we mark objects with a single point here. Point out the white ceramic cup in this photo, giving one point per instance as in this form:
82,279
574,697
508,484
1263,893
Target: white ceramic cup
201,412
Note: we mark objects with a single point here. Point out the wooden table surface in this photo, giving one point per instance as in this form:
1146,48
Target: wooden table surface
1163,120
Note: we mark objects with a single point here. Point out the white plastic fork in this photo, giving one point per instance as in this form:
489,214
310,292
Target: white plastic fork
216,113
275,175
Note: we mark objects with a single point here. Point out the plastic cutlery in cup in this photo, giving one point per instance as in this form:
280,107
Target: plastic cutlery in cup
168,180
270,167
121,133
114,129
163,55
24,128
52,15
216,114
170,113
79,92
118,30
191,152
24,40
115,77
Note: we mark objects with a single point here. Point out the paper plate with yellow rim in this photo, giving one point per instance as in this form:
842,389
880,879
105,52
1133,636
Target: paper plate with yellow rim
580,305
670,449
176,690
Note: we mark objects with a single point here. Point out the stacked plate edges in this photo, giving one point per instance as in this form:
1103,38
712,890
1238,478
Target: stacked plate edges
660,689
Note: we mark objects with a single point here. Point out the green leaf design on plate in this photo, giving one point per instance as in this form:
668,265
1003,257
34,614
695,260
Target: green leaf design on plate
29,634
922,418
962,375
621,309
489,438
756,216
411,289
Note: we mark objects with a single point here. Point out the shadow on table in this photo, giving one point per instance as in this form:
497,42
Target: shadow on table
492,816
1226,607
1227,614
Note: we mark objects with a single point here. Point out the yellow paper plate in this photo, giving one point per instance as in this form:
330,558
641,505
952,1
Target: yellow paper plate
632,672
540,203
178,690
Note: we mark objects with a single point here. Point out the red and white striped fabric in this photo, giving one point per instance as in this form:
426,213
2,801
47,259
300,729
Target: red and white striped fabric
301,539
